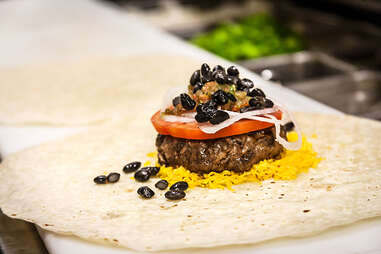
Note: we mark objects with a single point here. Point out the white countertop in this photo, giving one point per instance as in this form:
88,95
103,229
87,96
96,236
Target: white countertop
43,30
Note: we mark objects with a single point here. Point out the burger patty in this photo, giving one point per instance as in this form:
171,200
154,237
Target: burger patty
236,153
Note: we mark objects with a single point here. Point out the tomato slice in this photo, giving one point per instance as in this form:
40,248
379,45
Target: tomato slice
191,130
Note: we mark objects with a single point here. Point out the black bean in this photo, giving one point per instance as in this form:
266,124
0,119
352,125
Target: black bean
195,78
162,184
220,97
241,87
142,175
256,92
219,117
205,69
230,80
206,79
244,84
197,87
132,166
102,179
113,177
176,101
201,118
152,170
199,108
220,77
180,186
247,82
289,126
187,102
268,103
233,71
231,97
214,73
145,192
248,108
208,108
257,102
174,195
218,68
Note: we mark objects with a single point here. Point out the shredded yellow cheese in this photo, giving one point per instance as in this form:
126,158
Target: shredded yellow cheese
288,167
152,155
147,163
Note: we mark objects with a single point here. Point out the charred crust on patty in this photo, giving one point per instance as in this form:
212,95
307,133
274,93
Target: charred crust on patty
235,153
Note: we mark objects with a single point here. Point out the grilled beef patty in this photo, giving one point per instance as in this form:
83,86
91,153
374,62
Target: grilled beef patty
236,153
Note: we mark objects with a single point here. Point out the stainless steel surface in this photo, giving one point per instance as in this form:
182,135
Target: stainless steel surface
297,67
357,93
349,39
19,237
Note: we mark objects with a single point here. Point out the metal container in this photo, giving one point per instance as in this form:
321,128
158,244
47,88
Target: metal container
18,237
298,67
357,93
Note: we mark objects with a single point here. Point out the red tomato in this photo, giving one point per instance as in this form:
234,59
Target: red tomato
191,130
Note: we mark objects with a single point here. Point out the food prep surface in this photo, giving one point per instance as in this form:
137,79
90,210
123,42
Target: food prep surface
100,31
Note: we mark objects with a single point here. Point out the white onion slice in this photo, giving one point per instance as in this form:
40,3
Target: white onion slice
174,118
235,117
253,112
287,117
262,115
211,129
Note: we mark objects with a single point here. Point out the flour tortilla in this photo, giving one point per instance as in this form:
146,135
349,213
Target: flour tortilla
89,91
51,185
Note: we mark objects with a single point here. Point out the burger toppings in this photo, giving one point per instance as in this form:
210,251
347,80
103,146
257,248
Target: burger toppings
145,192
225,88
244,84
196,77
176,101
289,126
256,92
197,87
205,70
219,103
233,71
219,117
259,113
187,102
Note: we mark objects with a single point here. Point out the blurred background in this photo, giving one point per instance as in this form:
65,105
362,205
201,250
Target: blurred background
328,50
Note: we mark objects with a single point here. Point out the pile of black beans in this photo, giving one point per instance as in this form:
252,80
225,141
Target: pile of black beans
175,192
230,76
208,112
